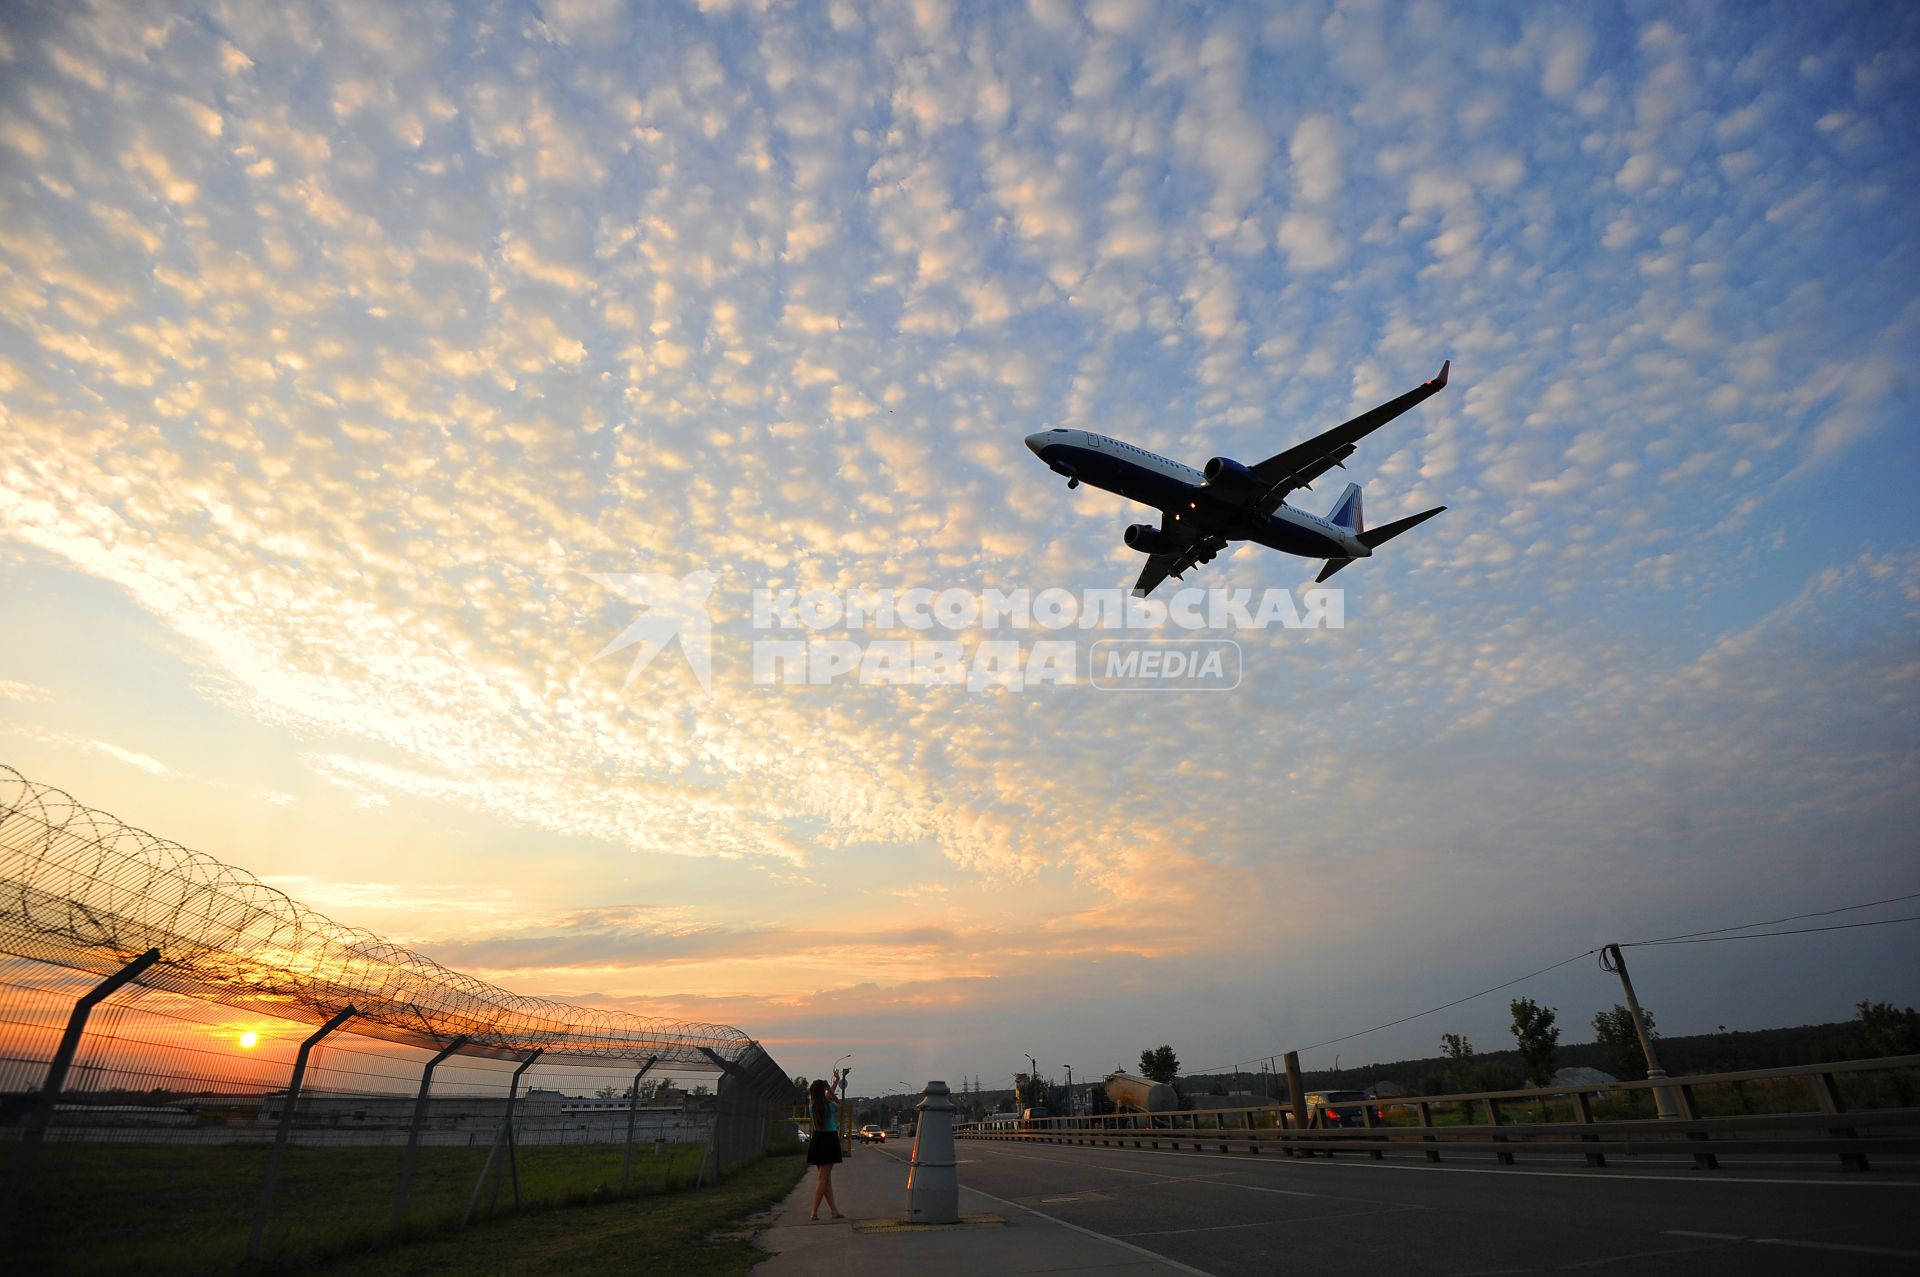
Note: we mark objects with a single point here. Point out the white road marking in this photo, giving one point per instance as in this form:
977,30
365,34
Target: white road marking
1174,1264
1796,1242
1852,1250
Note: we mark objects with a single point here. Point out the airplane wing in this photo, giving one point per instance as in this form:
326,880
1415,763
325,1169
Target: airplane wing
1301,464
1161,566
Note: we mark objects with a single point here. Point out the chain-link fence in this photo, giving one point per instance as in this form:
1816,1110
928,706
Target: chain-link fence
195,1069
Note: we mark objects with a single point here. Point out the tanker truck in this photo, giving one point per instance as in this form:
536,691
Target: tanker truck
1131,1093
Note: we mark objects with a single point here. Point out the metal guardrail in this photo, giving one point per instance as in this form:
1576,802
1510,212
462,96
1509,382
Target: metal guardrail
1490,1122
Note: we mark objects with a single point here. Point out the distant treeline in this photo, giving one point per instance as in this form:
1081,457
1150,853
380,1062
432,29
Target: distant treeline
1498,1070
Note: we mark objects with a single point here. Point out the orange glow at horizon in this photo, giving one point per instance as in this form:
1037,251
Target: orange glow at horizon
249,1040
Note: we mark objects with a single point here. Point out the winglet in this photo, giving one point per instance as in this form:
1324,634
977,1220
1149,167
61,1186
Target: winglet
1441,380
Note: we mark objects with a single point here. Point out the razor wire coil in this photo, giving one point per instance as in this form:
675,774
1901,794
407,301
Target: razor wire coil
83,890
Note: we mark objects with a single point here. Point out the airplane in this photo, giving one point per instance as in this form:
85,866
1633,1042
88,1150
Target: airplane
1202,510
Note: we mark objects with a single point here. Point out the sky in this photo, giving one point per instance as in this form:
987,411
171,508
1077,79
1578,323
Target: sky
365,370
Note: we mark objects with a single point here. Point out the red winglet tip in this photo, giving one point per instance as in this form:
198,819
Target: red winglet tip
1441,380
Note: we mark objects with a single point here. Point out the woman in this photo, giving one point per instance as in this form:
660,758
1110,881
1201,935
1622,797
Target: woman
823,1149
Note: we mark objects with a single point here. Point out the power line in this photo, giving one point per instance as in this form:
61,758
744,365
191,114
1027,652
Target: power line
1415,1016
1818,913
1456,1002
1761,935
1689,937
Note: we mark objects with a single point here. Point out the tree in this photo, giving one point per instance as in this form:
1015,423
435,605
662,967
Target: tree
1160,1064
1538,1040
1888,1030
1032,1092
605,1093
1459,1054
1728,1057
1614,1032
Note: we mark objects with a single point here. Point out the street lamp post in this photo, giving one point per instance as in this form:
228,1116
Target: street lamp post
840,1109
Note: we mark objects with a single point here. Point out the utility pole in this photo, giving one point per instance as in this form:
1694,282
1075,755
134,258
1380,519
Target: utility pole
1069,1090
1296,1094
1613,960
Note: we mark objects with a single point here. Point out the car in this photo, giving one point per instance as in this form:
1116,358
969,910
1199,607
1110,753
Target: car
871,1134
1343,1109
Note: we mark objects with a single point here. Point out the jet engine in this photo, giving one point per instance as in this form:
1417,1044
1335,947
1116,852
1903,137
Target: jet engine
1148,539
1230,480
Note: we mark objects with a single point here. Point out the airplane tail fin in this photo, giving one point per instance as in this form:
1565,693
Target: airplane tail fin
1346,511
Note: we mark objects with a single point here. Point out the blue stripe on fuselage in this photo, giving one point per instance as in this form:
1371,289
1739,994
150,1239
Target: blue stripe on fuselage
1117,473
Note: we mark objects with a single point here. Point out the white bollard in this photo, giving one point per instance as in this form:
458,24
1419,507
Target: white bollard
933,1185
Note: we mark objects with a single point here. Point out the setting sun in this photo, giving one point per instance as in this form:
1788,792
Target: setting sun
249,1040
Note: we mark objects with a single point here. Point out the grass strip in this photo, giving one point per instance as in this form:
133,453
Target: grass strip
694,1233
172,1210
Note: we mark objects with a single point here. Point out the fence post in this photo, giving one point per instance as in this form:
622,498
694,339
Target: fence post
503,1135
729,1142
633,1111
723,1128
259,1233
1493,1120
42,1115
513,1142
1690,1109
1583,1108
1426,1125
413,1132
1827,1095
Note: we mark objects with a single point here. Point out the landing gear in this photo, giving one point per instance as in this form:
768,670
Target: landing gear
1072,484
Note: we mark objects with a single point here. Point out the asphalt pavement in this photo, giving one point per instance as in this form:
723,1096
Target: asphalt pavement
994,1237
1046,1208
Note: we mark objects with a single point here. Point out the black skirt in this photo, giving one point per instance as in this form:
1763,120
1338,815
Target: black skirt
824,1149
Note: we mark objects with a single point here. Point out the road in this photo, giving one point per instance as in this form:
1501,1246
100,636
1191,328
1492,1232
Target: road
1222,1215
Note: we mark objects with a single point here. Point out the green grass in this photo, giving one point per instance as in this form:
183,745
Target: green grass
687,1234
166,1209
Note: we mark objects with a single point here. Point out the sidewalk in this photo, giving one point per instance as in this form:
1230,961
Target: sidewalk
993,1236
